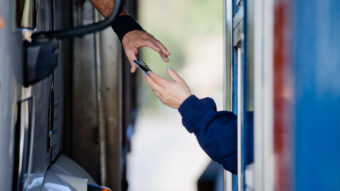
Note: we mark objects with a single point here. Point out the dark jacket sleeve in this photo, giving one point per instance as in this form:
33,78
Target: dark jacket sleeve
215,131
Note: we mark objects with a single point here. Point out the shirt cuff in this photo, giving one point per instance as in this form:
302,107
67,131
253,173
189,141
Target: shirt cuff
124,24
187,104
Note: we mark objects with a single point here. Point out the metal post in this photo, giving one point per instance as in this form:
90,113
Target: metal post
227,91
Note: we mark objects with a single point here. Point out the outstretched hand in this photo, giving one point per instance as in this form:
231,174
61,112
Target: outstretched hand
136,39
171,93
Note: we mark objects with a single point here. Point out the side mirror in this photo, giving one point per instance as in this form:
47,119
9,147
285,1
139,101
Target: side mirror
41,58
41,55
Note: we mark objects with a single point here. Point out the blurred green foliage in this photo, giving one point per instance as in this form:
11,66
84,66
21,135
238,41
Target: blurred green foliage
175,23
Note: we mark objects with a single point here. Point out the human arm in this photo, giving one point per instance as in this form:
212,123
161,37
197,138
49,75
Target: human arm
131,33
215,131
105,7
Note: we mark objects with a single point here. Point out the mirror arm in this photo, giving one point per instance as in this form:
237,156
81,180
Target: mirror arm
82,30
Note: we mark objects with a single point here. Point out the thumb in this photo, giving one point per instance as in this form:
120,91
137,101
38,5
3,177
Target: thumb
133,69
174,76
131,57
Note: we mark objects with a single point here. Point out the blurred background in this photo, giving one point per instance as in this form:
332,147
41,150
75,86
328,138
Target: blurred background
68,105
164,155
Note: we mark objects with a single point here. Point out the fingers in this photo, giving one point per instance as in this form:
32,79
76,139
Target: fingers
154,45
173,75
157,46
164,52
163,48
157,94
151,44
160,81
133,68
131,57
136,39
153,85
164,57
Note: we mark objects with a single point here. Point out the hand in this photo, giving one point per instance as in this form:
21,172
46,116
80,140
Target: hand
136,39
171,93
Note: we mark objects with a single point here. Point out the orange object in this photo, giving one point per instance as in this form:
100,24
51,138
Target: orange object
2,23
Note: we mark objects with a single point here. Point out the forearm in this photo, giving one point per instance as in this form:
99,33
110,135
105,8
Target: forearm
105,7
215,131
122,24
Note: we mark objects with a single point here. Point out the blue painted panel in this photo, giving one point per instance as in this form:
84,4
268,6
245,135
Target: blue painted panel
234,78
316,72
235,7
234,182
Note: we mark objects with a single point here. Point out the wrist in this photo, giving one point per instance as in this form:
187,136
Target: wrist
187,103
185,97
125,37
124,24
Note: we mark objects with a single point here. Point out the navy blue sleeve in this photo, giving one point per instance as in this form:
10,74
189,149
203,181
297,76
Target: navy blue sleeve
215,131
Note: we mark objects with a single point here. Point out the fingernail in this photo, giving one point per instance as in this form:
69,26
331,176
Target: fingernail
148,72
169,68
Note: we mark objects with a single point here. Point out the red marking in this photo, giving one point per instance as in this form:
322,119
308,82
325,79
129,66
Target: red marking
281,95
